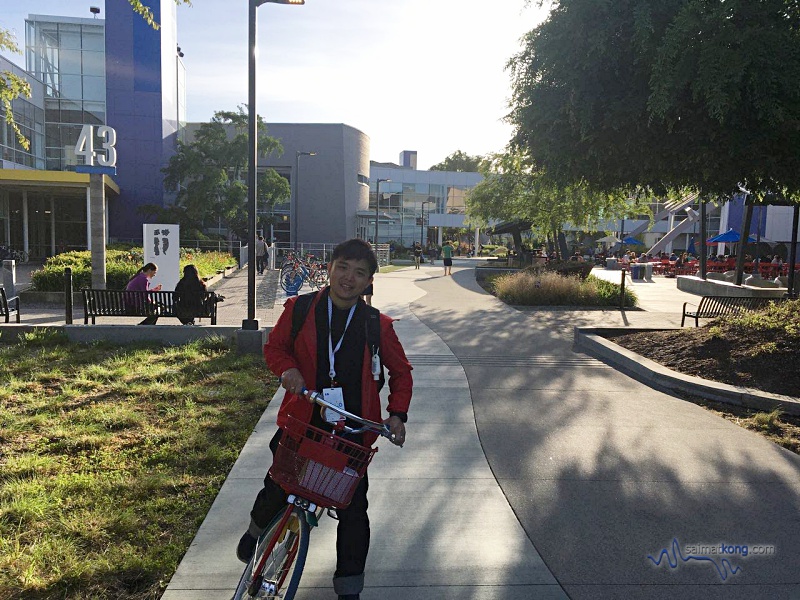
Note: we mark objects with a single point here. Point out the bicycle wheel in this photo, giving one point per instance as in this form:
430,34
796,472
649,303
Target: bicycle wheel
291,280
21,256
283,548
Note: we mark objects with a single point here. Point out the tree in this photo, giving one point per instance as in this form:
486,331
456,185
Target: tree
12,86
514,188
209,175
662,94
459,161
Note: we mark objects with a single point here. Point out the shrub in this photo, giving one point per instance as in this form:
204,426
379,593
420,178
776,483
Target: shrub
565,267
121,265
529,288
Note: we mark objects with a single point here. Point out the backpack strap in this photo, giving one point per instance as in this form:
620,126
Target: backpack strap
301,307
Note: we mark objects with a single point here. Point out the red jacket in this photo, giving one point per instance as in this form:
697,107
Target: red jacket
281,354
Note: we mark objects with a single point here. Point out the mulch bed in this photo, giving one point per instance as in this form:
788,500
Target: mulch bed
740,362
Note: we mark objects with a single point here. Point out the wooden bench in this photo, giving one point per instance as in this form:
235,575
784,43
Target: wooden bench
8,306
122,303
711,307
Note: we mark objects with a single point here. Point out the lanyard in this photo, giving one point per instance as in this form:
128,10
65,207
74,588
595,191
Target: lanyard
331,350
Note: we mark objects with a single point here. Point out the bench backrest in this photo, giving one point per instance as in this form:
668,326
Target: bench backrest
3,302
123,303
724,305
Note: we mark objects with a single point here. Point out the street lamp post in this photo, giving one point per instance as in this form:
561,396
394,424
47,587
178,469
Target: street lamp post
377,205
251,322
422,223
296,178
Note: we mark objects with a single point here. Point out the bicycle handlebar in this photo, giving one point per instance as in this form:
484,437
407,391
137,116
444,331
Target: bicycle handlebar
366,425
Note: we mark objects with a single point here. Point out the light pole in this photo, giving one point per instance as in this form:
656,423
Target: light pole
251,322
296,178
422,223
377,204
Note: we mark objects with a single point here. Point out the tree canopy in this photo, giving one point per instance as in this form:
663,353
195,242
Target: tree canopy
209,175
514,188
662,94
459,161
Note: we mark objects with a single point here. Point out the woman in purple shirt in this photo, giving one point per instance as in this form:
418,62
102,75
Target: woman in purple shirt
141,283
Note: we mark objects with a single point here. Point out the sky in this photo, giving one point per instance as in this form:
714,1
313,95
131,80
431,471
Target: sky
424,75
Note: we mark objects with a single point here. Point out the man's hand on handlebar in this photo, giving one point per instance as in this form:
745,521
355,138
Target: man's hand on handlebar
397,429
293,382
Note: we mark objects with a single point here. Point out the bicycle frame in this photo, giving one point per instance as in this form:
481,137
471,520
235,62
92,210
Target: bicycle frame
285,547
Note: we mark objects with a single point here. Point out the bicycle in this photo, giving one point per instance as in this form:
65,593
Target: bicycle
10,254
319,470
295,271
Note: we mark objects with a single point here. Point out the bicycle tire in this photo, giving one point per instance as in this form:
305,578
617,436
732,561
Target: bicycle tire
290,551
291,280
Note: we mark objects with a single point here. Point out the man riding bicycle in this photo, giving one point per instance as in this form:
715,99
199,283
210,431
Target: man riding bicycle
331,352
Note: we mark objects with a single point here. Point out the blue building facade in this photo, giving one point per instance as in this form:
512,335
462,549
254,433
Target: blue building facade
144,75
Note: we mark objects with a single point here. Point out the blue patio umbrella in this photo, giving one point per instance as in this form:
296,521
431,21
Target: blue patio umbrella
729,237
632,241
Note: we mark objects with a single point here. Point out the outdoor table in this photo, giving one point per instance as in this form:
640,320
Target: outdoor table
612,264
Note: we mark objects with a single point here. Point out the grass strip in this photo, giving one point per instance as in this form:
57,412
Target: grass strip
111,457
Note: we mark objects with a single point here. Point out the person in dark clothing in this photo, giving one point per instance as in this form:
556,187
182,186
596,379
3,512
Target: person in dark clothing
190,293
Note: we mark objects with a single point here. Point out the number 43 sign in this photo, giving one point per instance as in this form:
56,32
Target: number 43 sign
107,155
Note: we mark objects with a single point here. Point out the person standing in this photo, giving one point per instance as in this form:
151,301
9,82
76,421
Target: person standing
261,254
417,254
140,282
432,252
331,352
447,257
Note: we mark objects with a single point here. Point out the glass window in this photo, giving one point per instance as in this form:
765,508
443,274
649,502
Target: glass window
69,62
94,63
52,112
70,86
94,88
93,40
69,36
71,112
94,113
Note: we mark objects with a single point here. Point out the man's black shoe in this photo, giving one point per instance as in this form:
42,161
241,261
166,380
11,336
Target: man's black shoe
246,547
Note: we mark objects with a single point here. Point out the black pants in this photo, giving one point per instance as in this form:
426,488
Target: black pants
352,535
261,263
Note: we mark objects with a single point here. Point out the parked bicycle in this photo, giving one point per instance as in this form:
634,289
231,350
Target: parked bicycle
297,270
10,254
319,470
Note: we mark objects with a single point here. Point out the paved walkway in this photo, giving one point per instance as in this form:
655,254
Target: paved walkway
532,471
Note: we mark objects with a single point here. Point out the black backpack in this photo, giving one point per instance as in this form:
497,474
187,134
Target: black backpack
372,324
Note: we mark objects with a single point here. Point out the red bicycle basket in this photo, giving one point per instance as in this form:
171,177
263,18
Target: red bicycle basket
317,465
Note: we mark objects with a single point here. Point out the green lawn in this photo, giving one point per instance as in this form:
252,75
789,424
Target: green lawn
111,458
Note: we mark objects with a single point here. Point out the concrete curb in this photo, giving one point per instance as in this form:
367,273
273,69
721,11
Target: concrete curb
590,341
123,335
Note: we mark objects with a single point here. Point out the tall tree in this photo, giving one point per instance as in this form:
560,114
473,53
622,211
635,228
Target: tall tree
459,161
662,94
209,174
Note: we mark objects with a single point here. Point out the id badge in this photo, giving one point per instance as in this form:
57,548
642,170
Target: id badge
335,397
